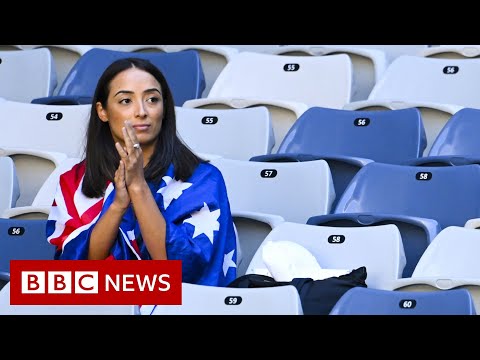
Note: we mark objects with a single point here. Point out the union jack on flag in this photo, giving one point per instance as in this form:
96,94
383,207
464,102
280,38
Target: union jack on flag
199,230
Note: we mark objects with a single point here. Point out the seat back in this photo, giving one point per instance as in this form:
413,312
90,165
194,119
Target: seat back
459,135
427,192
27,74
182,70
417,233
378,248
312,80
23,240
451,255
213,300
232,133
294,191
368,64
364,301
59,128
9,188
282,113
390,136
417,78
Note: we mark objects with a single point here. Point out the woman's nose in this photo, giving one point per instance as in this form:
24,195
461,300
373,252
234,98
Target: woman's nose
140,110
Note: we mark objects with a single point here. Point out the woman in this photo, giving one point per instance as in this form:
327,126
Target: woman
140,193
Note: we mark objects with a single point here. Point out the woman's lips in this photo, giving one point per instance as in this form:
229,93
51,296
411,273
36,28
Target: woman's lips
141,127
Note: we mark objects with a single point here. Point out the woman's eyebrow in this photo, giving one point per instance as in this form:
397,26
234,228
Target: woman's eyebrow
131,92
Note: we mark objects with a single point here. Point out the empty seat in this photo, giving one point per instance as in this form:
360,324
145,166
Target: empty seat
458,136
214,58
282,113
368,64
27,74
449,262
182,70
417,233
58,128
40,207
23,240
434,115
231,133
378,248
312,80
417,78
213,300
64,56
349,139
449,195
9,188
294,191
33,167
364,301
451,51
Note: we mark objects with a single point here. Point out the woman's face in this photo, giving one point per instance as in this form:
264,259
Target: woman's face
134,95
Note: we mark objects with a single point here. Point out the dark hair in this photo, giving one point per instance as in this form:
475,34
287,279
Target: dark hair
101,156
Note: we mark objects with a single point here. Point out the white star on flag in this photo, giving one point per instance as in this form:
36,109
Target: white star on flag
204,221
228,262
172,190
131,234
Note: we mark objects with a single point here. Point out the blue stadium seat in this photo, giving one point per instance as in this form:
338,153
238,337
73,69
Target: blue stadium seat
417,233
349,139
448,194
23,240
182,69
365,301
458,140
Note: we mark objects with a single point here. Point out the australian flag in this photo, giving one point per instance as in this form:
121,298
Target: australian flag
199,232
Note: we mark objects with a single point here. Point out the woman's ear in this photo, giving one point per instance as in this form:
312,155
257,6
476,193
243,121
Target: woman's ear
102,114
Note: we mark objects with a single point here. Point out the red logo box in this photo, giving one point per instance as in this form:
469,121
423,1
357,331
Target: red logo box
95,282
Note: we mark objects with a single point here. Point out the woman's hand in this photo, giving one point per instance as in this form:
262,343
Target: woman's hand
132,157
122,199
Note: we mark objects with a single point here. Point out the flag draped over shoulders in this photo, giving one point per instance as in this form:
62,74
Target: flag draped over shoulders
199,226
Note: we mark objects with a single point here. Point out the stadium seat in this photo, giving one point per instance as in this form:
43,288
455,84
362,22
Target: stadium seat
231,133
214,58
348,139
448,194
364,301
57,128
252,228
434,115
417,233
40,207
451,52
23,240
449,262
294,191
33,167
282,113
27,74
443,81
458,136
312,80
64,56
213,300
378,248
9,188
182,70
368,64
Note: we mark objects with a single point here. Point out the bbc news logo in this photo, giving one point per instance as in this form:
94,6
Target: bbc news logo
95,282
